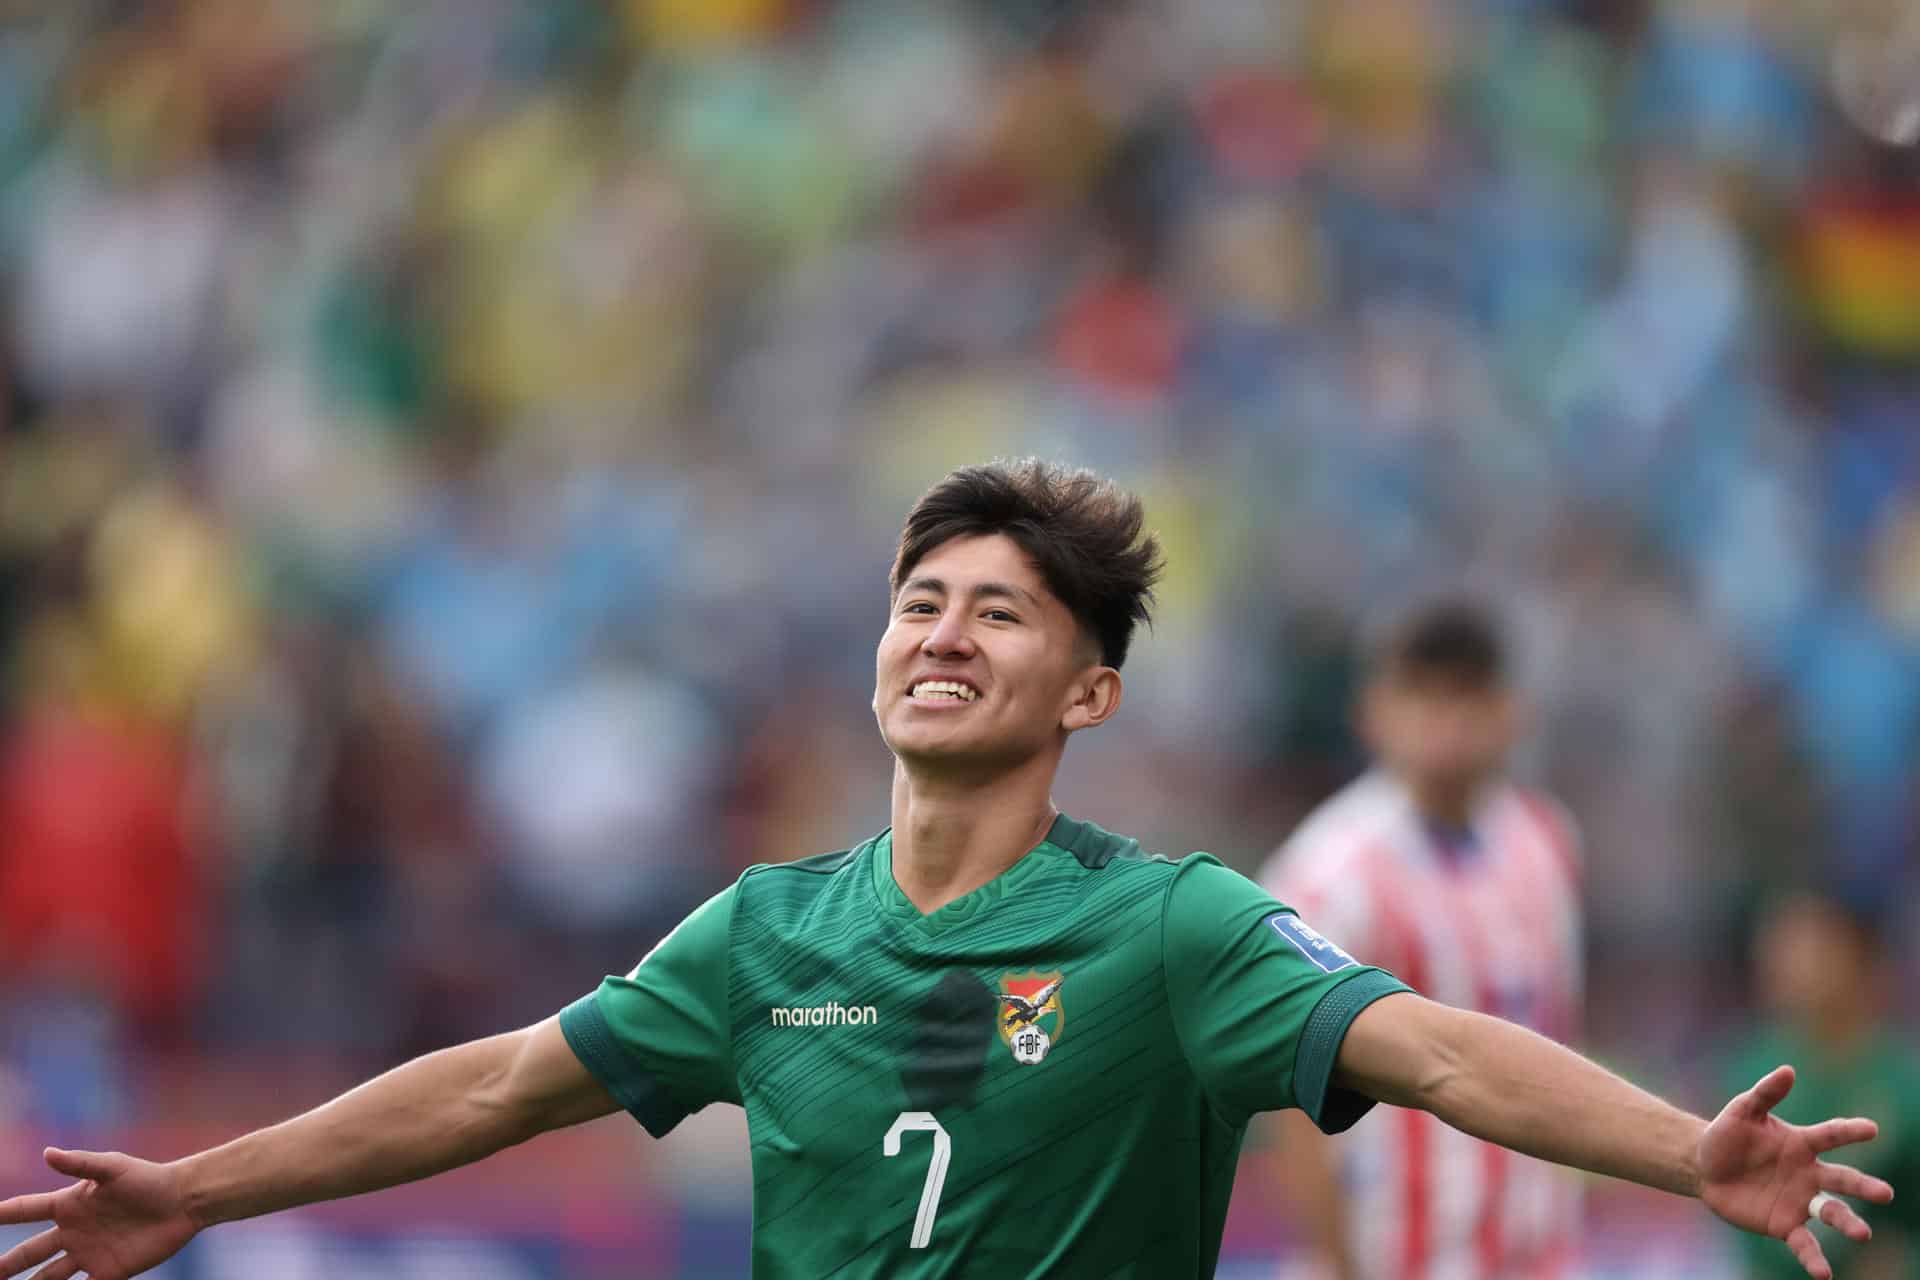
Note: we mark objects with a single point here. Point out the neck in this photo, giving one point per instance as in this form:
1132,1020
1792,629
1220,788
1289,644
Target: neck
952,835
1445,804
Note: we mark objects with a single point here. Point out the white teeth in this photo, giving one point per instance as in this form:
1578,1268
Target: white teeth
935,690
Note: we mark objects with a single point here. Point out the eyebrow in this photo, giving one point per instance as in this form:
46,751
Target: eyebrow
982,591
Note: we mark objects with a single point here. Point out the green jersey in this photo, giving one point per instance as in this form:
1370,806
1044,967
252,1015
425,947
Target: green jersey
1049,1076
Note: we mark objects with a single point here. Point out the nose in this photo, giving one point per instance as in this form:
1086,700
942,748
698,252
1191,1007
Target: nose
950,637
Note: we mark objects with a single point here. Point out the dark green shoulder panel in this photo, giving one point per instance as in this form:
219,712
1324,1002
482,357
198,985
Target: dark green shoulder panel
818,864
1095,847
804,878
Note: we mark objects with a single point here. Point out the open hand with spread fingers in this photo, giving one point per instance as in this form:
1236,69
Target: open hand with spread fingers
1766,1176
124,1216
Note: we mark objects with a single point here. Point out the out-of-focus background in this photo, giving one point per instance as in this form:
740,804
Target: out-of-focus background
450,453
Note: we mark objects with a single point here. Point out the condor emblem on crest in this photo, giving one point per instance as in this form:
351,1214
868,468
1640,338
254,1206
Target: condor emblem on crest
1031,1018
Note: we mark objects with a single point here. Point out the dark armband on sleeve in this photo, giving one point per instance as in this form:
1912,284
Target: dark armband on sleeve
1330,1107
632,1085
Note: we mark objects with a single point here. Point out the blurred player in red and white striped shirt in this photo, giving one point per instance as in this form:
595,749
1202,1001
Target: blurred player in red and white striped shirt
1466,885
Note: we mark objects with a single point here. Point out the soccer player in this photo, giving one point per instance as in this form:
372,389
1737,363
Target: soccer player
992,1040
1466,886
1823,969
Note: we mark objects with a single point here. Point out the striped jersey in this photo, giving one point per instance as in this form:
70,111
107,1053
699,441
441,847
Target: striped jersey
1486,919
1049,1076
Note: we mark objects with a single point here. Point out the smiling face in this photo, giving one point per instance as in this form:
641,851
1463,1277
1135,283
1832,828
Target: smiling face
981,668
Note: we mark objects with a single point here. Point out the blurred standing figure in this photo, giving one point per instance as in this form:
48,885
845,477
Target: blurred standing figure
1822,970
1468,885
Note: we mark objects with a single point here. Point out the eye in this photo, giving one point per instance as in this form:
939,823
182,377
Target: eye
1000,615
918,606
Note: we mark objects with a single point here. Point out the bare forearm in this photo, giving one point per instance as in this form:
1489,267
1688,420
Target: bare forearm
1508,1085
433,1114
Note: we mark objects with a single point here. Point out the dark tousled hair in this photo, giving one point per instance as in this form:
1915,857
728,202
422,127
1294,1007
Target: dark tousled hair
1455,640
1083,532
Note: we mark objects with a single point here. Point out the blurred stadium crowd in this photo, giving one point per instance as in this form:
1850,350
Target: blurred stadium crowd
449,455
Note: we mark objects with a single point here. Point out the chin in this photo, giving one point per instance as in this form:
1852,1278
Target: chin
917,749
939,750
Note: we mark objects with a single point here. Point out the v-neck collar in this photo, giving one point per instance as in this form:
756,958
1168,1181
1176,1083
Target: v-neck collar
1062,838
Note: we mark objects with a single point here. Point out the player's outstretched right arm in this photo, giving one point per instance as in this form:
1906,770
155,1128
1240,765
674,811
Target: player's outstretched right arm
124,1215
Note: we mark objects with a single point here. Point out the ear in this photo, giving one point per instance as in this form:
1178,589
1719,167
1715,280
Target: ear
1096,696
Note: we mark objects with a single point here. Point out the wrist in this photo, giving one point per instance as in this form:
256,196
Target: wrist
190,1185
1689,1179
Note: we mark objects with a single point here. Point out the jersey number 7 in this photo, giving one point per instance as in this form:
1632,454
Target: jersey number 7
923,1121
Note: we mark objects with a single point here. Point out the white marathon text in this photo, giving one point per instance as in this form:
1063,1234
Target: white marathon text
827,1015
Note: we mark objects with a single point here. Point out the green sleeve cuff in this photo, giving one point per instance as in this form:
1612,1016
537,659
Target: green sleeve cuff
1335,1109
631,1084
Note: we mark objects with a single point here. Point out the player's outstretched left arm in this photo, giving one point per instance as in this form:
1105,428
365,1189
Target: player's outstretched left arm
1508,1085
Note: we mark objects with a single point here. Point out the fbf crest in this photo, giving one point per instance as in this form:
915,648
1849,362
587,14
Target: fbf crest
1031,1017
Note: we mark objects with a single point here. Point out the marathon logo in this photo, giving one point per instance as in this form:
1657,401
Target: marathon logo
834,1014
